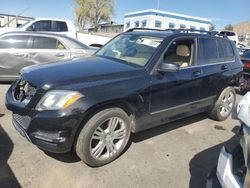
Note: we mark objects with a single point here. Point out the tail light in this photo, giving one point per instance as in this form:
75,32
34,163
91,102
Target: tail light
246,64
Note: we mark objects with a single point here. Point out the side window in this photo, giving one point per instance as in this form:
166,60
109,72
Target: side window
225,50
208,52
16,42
228,50
60,26
180,52
44,25
47,43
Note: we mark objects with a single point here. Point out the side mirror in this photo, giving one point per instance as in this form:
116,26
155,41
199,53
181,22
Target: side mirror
31,28
169,67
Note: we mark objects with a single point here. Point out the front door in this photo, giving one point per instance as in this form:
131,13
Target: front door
13,55
176,93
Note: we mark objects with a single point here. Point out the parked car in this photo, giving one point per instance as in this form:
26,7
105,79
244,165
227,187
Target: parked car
233,166
139,80
59,26
231,35
22,49
245,58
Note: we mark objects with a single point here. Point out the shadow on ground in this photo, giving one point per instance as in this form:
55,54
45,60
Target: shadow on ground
7,177
147,134
202,163
137,137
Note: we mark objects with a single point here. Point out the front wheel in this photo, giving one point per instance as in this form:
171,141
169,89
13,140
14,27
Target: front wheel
103,137
224,105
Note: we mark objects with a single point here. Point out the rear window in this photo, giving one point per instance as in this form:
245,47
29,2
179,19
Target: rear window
207,51
60,26
17,42
227,33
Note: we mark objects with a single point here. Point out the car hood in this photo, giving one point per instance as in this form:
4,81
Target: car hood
89,69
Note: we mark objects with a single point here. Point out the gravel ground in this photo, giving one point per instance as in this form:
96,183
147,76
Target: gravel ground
178,154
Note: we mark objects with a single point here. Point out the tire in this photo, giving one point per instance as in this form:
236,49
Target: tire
103,137
224,105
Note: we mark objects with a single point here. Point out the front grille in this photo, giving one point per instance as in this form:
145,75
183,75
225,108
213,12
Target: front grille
24,92
23,121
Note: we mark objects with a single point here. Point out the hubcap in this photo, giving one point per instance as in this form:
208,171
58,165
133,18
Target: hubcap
108,138
227,104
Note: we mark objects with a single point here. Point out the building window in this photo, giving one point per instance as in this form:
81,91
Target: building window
136,23
158,23
171,26
182,26
128,25
202,29
193,28
144,23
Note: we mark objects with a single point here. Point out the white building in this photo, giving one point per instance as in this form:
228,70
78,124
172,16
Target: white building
164,20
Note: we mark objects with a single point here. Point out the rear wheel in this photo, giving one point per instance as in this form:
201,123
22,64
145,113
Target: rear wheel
224,105
104,137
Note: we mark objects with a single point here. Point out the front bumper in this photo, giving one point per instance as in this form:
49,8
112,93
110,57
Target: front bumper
53,131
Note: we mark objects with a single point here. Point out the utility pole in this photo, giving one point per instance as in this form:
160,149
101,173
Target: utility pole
158,4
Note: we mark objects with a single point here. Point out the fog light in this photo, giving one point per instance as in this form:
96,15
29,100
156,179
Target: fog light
49,137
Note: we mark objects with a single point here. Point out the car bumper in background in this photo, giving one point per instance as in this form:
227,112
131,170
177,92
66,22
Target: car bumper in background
225,171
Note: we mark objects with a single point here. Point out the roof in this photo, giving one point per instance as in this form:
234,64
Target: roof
34,33
45,34
168,14
53,19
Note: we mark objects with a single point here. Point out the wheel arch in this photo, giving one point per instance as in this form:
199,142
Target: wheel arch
128,106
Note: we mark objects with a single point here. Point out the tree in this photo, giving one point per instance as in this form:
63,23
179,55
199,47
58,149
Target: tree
94,12
229,27
212,27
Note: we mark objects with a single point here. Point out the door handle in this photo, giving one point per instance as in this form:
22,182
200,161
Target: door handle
19,54
196,74
60,55
224,67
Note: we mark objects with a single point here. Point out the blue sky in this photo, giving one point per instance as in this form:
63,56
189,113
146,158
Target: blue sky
221,12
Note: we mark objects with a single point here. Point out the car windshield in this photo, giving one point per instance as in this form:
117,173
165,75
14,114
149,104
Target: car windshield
246,54
135,49
21,26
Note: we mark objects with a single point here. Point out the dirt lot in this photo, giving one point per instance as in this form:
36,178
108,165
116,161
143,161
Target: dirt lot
178,154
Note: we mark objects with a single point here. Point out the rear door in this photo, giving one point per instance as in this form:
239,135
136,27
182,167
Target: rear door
13,55
215,66
47,50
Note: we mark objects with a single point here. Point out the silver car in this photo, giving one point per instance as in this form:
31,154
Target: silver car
21,49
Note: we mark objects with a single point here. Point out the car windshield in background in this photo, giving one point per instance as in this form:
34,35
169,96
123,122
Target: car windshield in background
246,54
135,49
21,26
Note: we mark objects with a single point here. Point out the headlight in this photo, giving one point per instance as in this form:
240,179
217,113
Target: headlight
58,99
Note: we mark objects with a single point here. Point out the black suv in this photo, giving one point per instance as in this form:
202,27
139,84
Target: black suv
140,79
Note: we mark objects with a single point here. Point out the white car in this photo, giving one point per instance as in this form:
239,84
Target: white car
230,35
51,25
59,26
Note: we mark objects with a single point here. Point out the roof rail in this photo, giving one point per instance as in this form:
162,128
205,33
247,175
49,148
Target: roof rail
188,31
211,33
143,29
